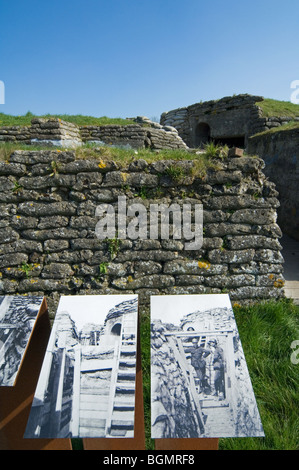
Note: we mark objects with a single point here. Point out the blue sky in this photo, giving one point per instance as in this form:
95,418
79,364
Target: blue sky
123,58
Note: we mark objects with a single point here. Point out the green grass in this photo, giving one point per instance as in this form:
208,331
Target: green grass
7,148
285,127
124,156
146,375
267,331
104,152
80,120
277,108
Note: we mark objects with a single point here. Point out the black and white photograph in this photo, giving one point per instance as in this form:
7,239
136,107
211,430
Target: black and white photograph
86,387
200,384
17,318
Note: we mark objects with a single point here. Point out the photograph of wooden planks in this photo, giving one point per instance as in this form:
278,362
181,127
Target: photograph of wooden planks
86,388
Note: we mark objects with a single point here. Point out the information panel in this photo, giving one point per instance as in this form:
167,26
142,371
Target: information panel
200,385
17,319
86,387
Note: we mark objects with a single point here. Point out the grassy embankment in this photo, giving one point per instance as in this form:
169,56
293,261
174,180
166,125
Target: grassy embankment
274,108
78,119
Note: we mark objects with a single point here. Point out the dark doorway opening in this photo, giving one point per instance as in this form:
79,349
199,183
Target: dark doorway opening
202,134
231,141
116,329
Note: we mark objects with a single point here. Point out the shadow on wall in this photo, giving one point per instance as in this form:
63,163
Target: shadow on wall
279,151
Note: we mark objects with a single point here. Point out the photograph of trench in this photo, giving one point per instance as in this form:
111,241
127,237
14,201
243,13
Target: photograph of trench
17,318
86,386
200,381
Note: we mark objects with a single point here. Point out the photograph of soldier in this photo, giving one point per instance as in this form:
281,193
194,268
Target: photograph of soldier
198,361
218,367
200,384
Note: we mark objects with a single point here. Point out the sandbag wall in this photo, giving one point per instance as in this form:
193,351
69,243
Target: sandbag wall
58,133
48,246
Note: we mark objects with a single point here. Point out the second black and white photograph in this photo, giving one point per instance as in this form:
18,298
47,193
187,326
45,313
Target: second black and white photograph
200,385
86,388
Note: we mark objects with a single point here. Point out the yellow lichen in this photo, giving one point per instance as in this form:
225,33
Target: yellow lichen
204,264
102,164
279,283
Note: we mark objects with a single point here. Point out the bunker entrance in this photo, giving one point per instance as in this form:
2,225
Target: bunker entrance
202,134
231,141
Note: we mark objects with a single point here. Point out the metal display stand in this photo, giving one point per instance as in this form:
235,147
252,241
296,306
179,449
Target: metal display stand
187,444
16,401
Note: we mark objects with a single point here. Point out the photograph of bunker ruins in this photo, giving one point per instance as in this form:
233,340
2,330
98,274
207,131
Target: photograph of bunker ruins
200,386
17,318
86,386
